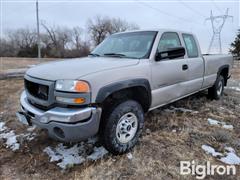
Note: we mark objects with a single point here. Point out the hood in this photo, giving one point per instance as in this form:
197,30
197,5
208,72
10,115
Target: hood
76,68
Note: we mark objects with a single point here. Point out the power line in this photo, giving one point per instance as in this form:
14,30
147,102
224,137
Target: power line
173,16
194,11
191,9
165,13
217,7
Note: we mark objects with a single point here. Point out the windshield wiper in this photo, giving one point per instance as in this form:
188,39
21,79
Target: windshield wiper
94,54
115,54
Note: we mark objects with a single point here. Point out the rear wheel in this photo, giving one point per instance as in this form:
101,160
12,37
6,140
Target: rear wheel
122,127
216,91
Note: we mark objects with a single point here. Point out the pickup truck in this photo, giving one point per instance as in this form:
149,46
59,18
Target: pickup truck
108,92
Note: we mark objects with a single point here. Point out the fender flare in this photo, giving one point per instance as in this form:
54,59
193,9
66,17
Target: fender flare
226,66
221,68
105,91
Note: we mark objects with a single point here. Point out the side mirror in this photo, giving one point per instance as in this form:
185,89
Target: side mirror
171,53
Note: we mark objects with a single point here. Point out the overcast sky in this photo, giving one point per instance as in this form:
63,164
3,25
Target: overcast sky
182,15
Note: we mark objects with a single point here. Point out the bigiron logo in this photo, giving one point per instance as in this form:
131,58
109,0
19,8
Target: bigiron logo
201,171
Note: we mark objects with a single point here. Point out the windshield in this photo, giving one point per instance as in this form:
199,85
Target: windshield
128,45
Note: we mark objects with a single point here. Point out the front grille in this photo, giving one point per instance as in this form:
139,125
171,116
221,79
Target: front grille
44,108
39,91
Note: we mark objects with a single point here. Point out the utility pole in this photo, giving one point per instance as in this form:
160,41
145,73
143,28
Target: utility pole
38,35
217,23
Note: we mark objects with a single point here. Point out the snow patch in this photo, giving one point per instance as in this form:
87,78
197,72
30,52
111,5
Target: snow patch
231,157
29,136
92,140
213,121
210,150
180,109
228,157
221,124
11,138
228,127
98,152
76,154
2,126
67,156
31,128
129,156
234,88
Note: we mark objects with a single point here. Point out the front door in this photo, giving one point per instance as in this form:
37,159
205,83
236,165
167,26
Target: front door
169,76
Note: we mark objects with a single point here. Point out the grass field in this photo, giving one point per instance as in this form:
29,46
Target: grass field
16,63
169,136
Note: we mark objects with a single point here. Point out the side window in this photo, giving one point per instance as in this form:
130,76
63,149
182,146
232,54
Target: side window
168,40
191,46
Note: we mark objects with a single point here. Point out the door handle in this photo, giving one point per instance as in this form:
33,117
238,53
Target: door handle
184,67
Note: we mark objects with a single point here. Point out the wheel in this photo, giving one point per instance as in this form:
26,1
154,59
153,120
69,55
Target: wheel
216,91
122,127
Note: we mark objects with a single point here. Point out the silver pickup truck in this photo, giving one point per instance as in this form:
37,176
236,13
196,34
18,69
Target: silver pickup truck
108,92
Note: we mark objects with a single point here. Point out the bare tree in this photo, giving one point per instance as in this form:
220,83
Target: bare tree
23,38
119,25
57,39
61,41
21,42
7,49
78,46
100,27
76,37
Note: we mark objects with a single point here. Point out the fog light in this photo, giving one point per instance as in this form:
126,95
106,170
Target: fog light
59,132
79,100
71,100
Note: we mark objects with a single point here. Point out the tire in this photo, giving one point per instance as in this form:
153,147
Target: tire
216,91
122,127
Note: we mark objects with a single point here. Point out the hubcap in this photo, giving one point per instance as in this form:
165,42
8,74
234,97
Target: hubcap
127,127
219,88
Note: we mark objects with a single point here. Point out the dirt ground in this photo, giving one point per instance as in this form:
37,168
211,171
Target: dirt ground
168,138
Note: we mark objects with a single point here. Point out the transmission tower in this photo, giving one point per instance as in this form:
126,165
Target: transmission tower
217,25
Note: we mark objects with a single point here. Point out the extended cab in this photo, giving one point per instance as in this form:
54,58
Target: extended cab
109,91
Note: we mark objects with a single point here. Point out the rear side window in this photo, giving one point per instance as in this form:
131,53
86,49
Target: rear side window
191,45
168,40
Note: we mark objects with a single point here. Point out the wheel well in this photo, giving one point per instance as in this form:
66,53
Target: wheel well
224,74
137,93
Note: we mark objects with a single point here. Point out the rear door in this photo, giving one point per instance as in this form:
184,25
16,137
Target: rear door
168,75
195,63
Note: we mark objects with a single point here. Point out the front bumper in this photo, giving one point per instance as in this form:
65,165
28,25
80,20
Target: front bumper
64,124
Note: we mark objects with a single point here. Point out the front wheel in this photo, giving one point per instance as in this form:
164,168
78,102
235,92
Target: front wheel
216,91
122,127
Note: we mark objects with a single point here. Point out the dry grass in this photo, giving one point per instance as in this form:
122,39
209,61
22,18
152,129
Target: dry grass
167,139
15,63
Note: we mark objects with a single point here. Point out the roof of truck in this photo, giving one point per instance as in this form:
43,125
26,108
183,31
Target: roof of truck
158,30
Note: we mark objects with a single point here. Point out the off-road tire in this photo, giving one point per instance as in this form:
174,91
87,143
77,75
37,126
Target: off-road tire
216,91
109,126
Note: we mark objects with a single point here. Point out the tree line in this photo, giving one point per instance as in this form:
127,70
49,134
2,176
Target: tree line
235,46
61,42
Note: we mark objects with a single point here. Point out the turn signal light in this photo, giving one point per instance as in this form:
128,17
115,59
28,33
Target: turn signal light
79,100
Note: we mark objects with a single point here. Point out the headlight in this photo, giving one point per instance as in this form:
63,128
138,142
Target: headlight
72,86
